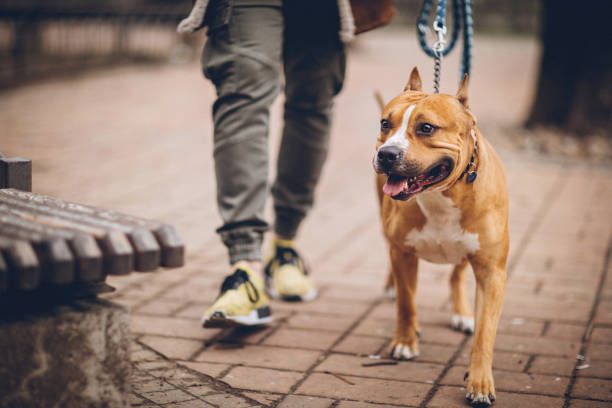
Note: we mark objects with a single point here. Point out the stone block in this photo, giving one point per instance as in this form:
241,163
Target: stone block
71,355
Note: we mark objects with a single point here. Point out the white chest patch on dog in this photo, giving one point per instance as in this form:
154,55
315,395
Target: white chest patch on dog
442,240
399,137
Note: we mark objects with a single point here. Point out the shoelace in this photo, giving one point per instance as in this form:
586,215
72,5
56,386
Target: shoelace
236,279
284,256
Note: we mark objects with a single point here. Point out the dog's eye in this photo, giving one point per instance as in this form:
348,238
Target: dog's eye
426,129
385,125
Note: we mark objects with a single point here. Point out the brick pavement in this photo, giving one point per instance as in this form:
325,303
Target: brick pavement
133,139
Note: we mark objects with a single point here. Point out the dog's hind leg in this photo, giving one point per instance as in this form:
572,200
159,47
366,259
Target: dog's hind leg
390,285
461,318
404,265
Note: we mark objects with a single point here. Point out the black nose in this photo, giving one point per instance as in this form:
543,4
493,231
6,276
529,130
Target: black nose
388,155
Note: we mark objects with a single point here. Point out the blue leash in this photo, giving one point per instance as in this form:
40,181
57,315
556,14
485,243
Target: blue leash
462,20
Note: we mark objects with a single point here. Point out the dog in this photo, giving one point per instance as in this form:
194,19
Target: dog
443,198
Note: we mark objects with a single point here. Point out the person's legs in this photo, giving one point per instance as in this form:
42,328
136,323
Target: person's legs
314,66
242,59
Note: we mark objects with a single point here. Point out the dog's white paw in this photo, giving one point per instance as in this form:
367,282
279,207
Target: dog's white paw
480,400
403,352
462,323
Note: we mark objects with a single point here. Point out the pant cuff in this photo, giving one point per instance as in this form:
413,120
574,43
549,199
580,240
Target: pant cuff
243,243
287,223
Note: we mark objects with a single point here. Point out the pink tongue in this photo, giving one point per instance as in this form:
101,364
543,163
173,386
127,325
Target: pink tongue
392,188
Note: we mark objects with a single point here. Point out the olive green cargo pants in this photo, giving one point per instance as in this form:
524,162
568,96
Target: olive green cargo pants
243,58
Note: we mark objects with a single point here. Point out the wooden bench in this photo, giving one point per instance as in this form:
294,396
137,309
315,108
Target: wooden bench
56,246
59,343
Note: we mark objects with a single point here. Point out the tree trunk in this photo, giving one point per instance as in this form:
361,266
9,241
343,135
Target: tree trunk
574,91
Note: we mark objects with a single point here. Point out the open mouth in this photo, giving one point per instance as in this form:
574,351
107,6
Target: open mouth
400,187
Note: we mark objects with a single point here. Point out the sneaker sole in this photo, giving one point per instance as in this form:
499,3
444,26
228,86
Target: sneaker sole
273,293
219,319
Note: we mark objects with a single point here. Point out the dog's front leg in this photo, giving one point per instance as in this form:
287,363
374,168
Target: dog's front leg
490,283
404,267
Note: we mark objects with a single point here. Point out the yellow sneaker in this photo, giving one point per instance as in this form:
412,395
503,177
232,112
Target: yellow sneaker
286,274
242,302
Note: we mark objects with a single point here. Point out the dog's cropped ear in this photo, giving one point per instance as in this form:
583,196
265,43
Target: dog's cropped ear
462,92
414,83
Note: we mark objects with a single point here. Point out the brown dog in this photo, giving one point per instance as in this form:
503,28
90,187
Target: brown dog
443,198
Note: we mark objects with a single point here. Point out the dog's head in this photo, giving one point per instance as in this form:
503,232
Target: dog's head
423,140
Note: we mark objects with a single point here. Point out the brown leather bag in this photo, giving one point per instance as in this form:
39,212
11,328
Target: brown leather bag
370,14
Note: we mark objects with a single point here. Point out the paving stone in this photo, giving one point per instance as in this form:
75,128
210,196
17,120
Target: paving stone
441,335
202,390
167,396
228,401
602,335
447,397
361,345
135,400
265,399
143,355
158,364
336,307
549,310
171,327
374,326
538,345
599,352
596,368
434,353
301,338
553,365
351,293
211,369
262,379
320,322
402,371
513,381
589,404
157,306
190,310
355,404
502,360
181,349
565,331
364,389
194,403
271,357
592,388
152,385
301,401
520,326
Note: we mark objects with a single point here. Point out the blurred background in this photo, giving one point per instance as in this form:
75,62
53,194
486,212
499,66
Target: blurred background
42,39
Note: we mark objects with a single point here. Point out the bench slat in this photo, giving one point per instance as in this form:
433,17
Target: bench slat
146,250
15,172
24,270
3,274
165,236
87,262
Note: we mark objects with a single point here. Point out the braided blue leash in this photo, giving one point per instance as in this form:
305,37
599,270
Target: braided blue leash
462,19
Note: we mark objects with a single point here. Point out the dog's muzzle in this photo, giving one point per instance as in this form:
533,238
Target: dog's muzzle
387,158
